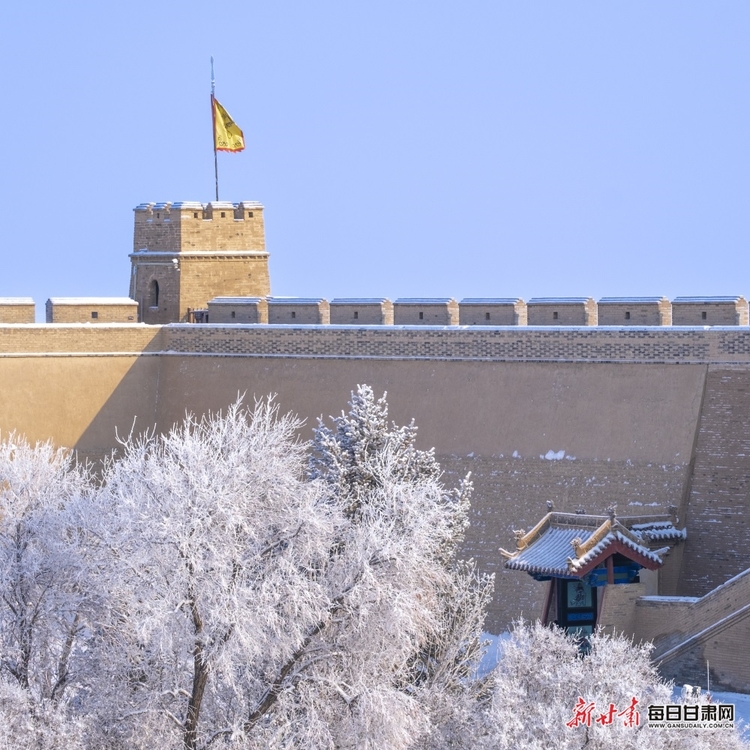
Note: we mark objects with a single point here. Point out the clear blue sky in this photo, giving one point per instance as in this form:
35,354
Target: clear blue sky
401,148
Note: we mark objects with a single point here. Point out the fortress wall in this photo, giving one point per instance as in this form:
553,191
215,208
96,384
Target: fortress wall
63,398
562,311
192,226
720,485
689,632
79,338
489,312
296,311
201,279
634,312
529,426
361,312
513,344
94,311
238,310
76,383
425,312
17,310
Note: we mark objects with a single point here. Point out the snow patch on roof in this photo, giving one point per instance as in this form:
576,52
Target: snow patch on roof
295,300
236,300
705,300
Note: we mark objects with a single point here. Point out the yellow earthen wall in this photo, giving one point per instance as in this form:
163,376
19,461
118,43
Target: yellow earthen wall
17,313
366,313
499,314
653,314
408,314
627,430
105,313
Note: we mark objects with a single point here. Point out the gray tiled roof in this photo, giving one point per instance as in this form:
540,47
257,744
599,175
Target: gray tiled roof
549,554
557,545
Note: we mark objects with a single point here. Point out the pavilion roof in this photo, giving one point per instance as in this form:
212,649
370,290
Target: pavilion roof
569,545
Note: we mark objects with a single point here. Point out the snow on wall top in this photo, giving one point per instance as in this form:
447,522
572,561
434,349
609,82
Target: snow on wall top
706,300
197,205
295,300
359,300
424,300
632,300
559,300
92,301
490,301
236,300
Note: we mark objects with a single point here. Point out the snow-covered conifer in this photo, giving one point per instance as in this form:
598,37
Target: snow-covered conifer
403,639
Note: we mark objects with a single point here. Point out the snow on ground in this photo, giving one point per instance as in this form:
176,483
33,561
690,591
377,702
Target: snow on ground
491,654
741,702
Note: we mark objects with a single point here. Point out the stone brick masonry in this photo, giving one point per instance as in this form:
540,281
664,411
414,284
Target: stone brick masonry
655,345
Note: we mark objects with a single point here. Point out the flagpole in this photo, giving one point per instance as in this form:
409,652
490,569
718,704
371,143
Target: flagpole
213,123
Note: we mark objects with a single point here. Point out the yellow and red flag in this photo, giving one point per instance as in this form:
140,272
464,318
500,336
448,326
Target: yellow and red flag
227,135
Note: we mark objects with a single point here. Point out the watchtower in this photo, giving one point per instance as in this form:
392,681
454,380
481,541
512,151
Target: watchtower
187,253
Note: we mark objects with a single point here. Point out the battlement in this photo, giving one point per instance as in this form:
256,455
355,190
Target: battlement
17,310
190,227
501,312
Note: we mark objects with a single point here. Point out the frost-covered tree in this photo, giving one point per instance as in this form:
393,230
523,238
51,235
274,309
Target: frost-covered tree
249,605
213,547
403,638
44,592
29,723
540,678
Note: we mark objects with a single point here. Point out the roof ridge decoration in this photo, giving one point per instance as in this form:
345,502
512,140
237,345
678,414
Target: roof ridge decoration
525,538
581,548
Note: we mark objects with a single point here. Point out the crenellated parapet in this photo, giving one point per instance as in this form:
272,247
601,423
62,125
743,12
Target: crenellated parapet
189,226
494,312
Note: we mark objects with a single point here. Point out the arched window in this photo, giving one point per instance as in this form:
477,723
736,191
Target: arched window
153,294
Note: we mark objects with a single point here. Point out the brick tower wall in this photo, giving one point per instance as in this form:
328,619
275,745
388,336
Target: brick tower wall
195,253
